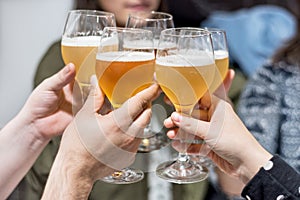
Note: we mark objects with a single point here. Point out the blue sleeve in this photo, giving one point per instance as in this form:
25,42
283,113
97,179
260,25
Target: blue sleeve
254,34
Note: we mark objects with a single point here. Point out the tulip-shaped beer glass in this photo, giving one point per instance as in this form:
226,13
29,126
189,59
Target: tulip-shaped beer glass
185,69
80,41
220,47
124,67
156,22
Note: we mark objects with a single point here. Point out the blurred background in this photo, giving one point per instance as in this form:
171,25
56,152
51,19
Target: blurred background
27,28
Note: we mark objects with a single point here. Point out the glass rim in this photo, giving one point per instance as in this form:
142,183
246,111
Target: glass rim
126,29
215,30
97,13
173,32
138,15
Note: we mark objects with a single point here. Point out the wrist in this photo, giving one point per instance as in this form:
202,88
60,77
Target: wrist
21,130
68,181
253,163
73,150
29,126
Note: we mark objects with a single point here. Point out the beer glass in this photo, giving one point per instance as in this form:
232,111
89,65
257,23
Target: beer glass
185,69
221,54
80,41
220,47
124,67
155,22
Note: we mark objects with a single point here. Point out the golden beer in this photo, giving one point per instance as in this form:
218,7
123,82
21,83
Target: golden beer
183,83
123,74
222,62
82,52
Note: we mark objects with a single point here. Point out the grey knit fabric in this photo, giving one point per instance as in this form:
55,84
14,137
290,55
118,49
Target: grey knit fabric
270,108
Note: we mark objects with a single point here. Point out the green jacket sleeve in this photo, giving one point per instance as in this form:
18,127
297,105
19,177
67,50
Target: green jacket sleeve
51,63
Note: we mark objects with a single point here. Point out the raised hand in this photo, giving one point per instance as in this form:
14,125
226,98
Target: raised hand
227,141
49,107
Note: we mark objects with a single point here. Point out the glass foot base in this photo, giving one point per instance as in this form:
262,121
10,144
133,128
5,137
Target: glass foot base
181,172
125,176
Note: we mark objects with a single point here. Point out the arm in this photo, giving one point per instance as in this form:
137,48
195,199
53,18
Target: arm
67,178
225,135
259,109
28,133
231,186
34,182
94,145
19,149
232,147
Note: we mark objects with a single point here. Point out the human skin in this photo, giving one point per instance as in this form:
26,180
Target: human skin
227,141
78,165
26,135
122,8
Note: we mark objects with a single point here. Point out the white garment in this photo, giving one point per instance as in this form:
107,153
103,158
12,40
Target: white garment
158,188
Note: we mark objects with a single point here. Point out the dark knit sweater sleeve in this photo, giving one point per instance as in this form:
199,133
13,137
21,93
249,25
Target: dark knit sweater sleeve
275,181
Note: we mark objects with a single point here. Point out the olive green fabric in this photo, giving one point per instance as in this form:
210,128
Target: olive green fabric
51,63
237,86
31,187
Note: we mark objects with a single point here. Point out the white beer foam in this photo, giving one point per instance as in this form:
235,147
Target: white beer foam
138,44
220,54
200,58
130,44
125,56
82,41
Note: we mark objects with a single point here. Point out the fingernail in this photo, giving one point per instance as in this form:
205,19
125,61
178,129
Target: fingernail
67,69
176,117
93,80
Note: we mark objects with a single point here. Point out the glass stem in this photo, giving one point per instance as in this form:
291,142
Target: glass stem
183,157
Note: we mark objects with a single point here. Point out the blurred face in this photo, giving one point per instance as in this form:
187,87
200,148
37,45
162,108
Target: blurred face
121,8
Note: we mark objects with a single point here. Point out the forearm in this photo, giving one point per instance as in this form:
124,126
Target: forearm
19,148
67,181
231,186
74,170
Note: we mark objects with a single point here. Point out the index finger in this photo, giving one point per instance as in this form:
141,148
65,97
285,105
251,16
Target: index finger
190,125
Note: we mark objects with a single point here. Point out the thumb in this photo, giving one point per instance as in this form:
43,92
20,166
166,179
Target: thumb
223,89
228,79
95,98
61,79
